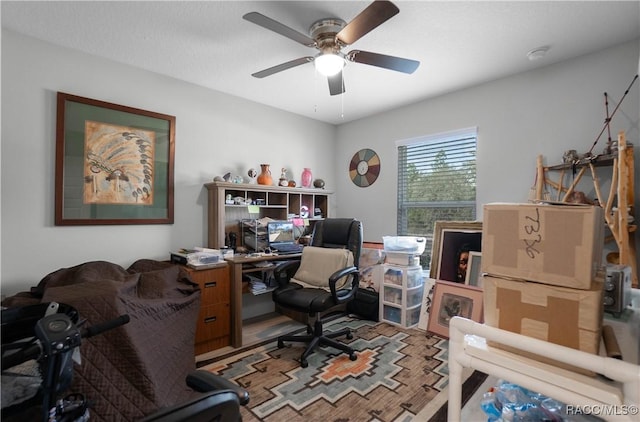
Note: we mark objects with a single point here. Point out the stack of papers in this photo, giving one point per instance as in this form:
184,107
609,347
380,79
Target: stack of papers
258,287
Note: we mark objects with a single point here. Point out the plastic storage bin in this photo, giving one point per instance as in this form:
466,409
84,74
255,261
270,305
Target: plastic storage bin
414,296
404,317
404,259
401,294
393,294
392,314
412,316
403,276
404,244
393,276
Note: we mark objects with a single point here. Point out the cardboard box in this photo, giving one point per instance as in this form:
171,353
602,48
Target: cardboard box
554,244
560,315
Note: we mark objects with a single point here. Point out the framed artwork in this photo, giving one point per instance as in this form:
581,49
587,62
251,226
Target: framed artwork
453,299
474,272
452,242
427,302
114,164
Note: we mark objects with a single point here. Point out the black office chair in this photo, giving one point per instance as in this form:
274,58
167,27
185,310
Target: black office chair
220,401
339,288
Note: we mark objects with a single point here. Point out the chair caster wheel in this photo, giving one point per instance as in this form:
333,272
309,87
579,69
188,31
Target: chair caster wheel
304,363
353,356
349,335
280,344
309,330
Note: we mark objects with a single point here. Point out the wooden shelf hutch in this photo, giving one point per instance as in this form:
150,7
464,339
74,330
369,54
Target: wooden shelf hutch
267,201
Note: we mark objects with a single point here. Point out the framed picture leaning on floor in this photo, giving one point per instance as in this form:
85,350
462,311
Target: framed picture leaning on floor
453,299
427,302
452,243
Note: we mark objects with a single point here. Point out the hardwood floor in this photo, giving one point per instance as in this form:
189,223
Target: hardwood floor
257,330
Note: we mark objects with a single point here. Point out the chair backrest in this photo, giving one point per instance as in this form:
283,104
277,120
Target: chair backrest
343,233
221,405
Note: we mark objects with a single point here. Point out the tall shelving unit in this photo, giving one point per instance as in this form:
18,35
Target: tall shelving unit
618,204
269,201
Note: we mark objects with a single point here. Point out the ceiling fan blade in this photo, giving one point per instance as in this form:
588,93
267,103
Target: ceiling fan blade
283,66
275,26
336,84
375,14
380,60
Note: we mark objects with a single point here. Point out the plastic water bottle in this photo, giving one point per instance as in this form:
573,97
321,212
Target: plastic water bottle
508,402
490,406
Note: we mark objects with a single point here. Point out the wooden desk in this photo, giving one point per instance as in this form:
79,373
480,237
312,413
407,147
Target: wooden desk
241,264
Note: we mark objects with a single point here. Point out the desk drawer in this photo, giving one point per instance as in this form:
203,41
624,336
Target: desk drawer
213,321
214,285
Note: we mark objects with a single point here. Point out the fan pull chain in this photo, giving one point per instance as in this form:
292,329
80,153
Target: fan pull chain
342,97
342,102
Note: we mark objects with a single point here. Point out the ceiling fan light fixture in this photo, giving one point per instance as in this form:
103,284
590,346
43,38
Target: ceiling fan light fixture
328,64
329,36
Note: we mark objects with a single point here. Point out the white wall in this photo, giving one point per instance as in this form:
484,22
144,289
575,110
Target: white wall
541,112
215,133
545,111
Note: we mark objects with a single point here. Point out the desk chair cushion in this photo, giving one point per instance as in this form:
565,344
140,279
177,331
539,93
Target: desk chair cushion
318,264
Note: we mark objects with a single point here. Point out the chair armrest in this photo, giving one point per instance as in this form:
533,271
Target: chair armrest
284,271
204,381
353,274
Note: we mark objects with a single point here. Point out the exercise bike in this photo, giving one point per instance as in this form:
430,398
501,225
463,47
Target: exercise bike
39,345
47,336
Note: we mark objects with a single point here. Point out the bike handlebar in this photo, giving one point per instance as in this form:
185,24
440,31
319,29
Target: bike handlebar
105,326
30,352
34,351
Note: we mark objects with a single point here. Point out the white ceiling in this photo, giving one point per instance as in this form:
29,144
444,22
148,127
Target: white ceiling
458,43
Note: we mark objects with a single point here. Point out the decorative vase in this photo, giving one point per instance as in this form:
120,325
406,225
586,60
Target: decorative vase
305,180
264,178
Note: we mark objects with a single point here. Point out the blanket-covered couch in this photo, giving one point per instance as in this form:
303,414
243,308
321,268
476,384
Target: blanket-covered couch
137,368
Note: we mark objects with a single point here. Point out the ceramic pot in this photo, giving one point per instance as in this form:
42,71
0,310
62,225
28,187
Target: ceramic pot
305,180
264,178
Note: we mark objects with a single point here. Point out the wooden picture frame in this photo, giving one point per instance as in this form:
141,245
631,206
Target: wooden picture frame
114,164
449,238
453,299
427,302
474,269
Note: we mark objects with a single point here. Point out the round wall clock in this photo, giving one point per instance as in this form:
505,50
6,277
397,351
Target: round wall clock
364,167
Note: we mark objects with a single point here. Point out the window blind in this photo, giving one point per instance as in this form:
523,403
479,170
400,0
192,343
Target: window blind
436,182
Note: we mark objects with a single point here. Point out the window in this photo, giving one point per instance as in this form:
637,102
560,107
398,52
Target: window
436,182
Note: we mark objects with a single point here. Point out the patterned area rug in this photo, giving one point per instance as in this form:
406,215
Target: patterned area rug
400,375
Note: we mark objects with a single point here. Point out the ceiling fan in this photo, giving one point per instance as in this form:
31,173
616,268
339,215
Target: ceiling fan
329,36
